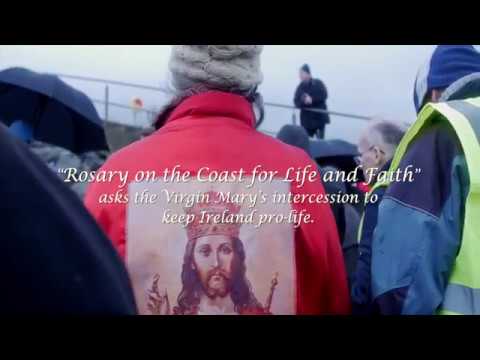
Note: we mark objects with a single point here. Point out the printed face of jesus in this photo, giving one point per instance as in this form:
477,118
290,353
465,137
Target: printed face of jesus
213,257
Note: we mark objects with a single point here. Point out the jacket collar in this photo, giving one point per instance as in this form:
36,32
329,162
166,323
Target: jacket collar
464,88
215,104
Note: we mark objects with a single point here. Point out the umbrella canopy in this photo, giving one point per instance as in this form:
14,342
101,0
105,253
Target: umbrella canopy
60,114
332,148
338,153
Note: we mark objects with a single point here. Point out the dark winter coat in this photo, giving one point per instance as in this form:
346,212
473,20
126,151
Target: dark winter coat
54,257
318,92
361,285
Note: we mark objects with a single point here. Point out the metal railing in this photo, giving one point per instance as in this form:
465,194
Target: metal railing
120,106
113,82
107,103
330,112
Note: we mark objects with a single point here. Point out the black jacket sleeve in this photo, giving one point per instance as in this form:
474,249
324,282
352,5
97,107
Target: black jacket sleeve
297,100
319,93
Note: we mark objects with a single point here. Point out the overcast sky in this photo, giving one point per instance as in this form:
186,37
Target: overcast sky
366,80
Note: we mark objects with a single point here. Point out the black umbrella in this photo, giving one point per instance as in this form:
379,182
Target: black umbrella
60,114
329,148
338,153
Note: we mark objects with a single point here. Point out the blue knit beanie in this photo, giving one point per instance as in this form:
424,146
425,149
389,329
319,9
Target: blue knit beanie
447,64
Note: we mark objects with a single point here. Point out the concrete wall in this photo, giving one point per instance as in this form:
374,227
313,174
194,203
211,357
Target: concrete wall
119,135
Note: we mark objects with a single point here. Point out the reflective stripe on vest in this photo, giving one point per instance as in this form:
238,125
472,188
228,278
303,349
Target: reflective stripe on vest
360,227
362,218
460,299
464,116
471,112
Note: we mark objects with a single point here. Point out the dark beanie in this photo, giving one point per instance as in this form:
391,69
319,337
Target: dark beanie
447,64
296,136
306,68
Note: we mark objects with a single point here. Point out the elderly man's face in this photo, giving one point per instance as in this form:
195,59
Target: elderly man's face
371,158
213,257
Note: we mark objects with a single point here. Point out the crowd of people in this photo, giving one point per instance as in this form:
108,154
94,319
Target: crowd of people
414,250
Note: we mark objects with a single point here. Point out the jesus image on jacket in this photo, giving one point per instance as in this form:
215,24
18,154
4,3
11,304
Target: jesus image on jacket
213,274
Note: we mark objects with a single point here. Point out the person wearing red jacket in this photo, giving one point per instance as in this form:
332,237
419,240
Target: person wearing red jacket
181,258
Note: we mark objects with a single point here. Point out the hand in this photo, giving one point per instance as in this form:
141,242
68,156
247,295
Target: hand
157,304
307,99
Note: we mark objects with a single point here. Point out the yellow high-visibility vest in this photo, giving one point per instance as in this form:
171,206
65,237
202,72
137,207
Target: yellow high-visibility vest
462,295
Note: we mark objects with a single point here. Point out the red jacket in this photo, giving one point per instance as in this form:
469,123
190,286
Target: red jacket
216,129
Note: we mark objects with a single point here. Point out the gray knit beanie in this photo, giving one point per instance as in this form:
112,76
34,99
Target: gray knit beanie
232,68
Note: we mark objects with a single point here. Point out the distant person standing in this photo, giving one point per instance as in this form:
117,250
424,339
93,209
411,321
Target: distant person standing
311,94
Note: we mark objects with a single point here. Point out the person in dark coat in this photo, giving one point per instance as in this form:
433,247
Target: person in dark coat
54,257
312,94
348,220
346,216
298,137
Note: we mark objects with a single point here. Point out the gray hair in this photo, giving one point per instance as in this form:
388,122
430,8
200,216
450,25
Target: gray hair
386,135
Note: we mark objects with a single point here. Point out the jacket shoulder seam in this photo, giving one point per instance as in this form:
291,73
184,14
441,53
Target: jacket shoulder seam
436,218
